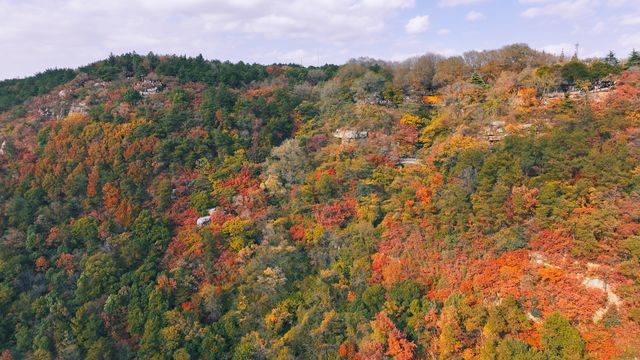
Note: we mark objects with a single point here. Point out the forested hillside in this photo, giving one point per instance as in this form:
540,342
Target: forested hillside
484,206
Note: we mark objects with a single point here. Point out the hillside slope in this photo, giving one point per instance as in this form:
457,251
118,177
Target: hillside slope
483,207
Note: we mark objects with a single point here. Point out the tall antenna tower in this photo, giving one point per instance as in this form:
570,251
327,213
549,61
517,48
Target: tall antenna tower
577,49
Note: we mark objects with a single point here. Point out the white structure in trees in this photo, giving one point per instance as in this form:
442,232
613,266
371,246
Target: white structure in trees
409,160
348,135
202,221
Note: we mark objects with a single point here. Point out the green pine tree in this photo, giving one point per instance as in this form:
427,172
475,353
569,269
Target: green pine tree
611,59
477,79
634,59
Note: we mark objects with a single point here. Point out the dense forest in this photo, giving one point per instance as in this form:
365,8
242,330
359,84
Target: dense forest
482,206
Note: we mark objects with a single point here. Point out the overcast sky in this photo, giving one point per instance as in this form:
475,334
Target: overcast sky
40,34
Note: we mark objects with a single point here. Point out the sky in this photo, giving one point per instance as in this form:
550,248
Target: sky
36,35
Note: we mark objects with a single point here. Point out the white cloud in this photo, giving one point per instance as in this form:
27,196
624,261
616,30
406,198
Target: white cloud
417,25
425,49
599,27
296,56
294,18
474,16
557,49
533,1
609,3
618,3
385,4
444,32
448,52
403,56
564,9
596,54
452,3
75,32
630,19
630,41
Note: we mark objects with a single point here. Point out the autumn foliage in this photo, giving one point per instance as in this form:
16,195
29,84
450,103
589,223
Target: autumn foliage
475,207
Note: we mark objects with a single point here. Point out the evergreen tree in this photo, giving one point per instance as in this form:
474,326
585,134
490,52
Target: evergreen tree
611,59
560,340
477,79
634,59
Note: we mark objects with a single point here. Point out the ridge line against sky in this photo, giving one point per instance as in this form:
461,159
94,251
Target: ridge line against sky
39,34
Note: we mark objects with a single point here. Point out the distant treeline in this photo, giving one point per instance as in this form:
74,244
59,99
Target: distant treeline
429,71
15,91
